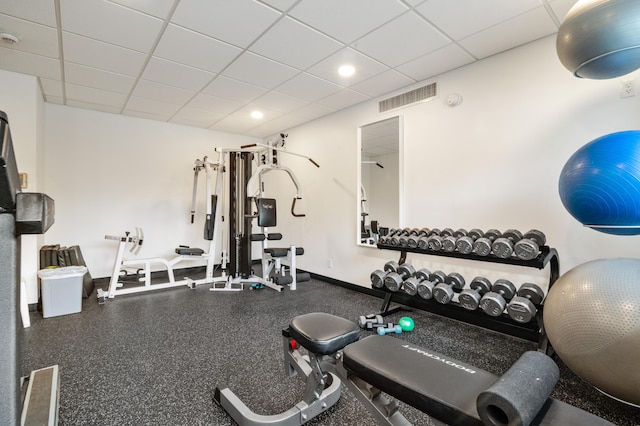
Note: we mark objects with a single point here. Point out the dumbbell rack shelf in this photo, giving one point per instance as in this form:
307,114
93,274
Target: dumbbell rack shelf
532,331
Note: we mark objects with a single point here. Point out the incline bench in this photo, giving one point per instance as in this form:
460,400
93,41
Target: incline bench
449,391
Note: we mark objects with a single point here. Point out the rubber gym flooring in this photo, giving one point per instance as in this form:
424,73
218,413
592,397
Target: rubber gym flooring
155,358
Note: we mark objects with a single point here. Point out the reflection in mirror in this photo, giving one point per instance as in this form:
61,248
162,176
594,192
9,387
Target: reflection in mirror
379,179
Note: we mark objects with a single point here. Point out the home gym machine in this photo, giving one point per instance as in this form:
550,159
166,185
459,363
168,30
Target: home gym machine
20,213
246,188
182,253
326,350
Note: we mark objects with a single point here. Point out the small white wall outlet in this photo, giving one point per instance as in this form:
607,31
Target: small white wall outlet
628,89
329,263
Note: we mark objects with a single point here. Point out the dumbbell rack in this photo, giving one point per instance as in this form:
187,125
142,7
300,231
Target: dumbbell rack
532,331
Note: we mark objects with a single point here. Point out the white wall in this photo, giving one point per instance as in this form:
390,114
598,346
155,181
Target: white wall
21,99
491,162
109,174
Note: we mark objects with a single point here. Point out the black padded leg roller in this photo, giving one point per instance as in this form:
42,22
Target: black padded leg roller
517,396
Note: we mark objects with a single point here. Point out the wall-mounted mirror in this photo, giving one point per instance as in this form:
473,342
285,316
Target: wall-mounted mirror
379,179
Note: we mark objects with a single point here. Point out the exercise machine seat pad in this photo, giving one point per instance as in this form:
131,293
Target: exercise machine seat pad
323,333
433,383
282,252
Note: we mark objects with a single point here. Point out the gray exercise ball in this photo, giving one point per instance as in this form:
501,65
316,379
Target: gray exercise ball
592,318
600,39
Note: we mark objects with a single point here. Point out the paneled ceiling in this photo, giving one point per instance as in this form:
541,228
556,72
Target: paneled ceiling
210,63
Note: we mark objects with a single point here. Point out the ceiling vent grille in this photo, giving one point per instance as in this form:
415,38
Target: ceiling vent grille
419,94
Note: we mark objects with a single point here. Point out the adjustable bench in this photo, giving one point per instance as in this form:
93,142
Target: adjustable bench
326,351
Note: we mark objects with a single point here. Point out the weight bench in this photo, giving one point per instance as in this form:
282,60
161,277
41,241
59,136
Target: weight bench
326,351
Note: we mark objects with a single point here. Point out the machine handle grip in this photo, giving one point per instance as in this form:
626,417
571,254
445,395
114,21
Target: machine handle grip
293,206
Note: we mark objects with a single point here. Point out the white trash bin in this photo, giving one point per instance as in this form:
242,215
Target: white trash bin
61,290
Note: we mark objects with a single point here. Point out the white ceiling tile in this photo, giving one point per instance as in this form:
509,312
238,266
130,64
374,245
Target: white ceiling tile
343,99
51,87
259,71
54,99
95,18
30,64
40,11
281,124
447,58
245,114
365,67
187,121
214,104
295,44
94,96
147,115
202,117
93,77
229,88
383,83
96,54
92,106
163,109
313,111
234,125
561,7
401,40
278,102
162,92
190,48
345,20
529,26
470,16
308,87
238,22
175,74
282,5
34,38
414,2
157,8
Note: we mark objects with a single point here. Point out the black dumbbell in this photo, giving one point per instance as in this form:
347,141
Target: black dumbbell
529,246
377,276
494,302
482,245
425,288
371,322
393,281
503,247
443,292
410,285
464,243
523,307
470,297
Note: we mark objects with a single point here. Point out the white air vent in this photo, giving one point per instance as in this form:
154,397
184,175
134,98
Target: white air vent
419,94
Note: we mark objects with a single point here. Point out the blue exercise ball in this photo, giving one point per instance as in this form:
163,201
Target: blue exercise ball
600,184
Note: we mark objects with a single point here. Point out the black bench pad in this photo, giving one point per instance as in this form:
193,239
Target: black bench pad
438,385
322,333
283,252
433,383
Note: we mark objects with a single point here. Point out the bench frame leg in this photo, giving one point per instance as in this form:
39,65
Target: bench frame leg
323,375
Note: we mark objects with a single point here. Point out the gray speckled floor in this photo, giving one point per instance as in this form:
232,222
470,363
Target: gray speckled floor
155,358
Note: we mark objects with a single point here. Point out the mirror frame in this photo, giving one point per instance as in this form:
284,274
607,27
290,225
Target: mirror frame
400,223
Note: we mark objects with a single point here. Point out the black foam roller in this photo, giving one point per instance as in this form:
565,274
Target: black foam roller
517,396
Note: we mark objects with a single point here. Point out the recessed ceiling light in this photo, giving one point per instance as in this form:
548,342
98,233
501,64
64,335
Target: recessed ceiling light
257,115
346,70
